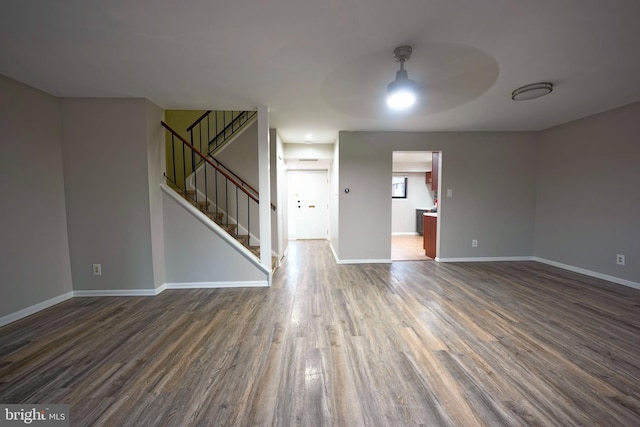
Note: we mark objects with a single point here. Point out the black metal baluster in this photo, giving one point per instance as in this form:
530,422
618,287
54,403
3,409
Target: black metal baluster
206,194
184,170
195,176
173,155
226,200
249,218
237,211
215,183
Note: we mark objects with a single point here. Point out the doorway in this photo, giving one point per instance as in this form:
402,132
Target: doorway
308,201
407,241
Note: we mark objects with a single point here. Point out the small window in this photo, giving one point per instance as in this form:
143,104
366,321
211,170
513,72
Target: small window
399,187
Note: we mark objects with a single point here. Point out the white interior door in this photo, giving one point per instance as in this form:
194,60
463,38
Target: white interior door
308,204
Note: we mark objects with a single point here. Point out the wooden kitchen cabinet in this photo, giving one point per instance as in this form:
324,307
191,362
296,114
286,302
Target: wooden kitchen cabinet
430,230
435,165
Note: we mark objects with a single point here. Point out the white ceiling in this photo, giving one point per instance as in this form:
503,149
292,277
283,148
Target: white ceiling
323,66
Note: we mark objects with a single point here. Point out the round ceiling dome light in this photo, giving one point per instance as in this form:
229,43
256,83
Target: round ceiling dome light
532,91
402,92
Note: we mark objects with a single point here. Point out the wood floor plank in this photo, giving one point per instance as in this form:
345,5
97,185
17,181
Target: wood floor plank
408,343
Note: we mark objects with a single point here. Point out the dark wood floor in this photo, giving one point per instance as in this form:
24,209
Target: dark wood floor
410,343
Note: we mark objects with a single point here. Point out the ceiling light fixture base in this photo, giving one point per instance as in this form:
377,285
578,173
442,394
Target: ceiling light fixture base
532,91
402,53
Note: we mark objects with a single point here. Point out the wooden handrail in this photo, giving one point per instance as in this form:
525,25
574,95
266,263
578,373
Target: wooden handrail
206,113
206,159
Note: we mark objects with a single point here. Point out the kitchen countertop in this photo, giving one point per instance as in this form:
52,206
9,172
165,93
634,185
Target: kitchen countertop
433,214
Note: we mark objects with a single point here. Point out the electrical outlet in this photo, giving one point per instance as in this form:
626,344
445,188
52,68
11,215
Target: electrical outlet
97,269
620,259
474,243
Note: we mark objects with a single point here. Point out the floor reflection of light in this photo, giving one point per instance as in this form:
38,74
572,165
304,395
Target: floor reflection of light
312,374
296,316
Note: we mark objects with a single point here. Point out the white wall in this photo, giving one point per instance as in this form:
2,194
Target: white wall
34,249
309,151
492,176
105,154
588,202
403,211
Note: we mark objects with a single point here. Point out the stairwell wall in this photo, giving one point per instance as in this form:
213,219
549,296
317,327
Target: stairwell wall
34,248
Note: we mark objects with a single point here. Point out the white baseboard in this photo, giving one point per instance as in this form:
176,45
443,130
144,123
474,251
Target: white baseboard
217,285
333,251
486,259
118,293
405,233
590,273
9,318
363,261
357,261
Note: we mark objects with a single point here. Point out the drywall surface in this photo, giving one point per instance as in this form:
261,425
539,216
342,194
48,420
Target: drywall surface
491,176
588,199
195,254
34,248
105,154
156,168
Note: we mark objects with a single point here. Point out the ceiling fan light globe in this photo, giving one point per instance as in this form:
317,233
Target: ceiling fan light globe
401,99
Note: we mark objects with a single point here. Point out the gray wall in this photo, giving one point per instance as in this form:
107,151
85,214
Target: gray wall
105,154
195,254
34,250
492,176
334,198
156,166
588,203
241,155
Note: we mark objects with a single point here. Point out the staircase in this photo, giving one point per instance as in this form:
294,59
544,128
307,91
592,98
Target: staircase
219,193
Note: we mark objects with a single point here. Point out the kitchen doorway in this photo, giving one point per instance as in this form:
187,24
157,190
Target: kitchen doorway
417,171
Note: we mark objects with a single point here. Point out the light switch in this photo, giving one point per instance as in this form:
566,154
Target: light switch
449,192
